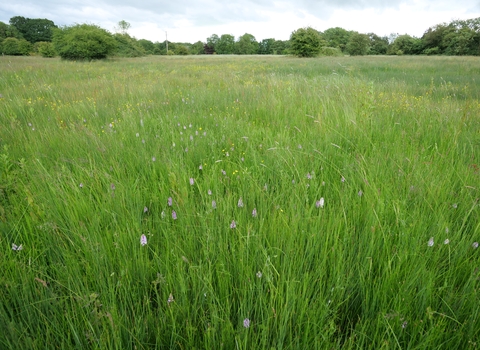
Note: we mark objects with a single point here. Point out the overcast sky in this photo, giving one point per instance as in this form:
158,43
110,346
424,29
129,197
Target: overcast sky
194,20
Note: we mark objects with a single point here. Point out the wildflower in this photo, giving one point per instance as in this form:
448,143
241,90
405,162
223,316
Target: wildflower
475,245
209,192
81,185
254,212
342,179
259,274
143,240
246,323
233,225
137,134
162,214
174,215
446,241
169,201
454,205
309,177
404,324
191,138
200,167
431,242
214,204
170,298
154,159
360,193
112,186
192,181
240,203
224,172
320,203
16,247
145,209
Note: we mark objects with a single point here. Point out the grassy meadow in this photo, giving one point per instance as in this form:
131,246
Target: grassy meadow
227,202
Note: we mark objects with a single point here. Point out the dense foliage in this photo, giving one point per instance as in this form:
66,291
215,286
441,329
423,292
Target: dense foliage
83,42
305,42
33,30
459,37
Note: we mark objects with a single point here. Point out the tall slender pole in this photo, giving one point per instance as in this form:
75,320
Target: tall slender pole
166,41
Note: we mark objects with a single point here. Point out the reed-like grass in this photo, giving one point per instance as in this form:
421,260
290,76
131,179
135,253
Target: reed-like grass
287,203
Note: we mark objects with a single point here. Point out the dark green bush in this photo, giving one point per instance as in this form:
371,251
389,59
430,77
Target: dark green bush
83,42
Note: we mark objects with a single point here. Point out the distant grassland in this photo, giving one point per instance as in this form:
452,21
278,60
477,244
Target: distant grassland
223,202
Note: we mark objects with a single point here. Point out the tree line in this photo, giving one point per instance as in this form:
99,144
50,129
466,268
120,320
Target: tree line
25,36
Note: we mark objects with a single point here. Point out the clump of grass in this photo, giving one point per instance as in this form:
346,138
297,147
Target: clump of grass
254,203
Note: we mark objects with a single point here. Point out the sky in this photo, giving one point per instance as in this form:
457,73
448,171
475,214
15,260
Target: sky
196,20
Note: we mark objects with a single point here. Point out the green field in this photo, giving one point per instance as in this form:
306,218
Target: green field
327,203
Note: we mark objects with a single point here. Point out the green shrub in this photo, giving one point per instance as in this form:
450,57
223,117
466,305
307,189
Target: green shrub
83,42
331,51
181,50
128,46
16,47
305,42
45,49
432,51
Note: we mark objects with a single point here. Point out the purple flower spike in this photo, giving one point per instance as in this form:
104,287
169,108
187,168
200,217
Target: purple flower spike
143,240
254,212
174,215
233,224
169,201
246,323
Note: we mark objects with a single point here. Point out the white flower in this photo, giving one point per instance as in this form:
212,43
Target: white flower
17,247
431,242
143,240
320,203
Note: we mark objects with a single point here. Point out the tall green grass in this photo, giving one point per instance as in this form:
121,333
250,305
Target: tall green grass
363,174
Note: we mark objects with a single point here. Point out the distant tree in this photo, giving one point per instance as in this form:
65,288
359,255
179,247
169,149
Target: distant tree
147,45
265,47
197,48
181,50
225,45
34,30
212,43
83,41
45,48
281,47
337,37
405,45
127,46
305,42
122,27
358,44
433,38
378,45
462,37
16,47
246,45
9,31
